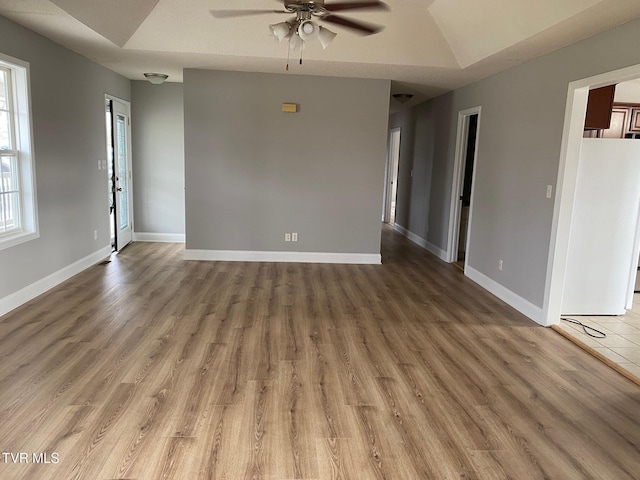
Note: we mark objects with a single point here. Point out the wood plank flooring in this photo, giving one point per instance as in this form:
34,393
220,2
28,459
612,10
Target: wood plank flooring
151,367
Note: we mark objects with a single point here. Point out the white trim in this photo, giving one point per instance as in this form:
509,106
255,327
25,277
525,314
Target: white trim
391,174
29,292
458,180
14,239
158,237
20,81
127,104
295,257
421,242
575,110
525,307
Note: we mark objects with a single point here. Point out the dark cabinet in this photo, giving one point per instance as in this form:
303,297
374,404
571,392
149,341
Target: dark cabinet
599,108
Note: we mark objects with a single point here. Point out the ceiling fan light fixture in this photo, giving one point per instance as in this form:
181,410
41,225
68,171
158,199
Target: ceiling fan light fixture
156,78
325,36
280,30
307,30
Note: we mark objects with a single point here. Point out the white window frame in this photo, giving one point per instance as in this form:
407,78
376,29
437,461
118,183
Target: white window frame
23,149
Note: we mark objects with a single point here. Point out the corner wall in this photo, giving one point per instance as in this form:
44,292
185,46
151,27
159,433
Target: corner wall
157,114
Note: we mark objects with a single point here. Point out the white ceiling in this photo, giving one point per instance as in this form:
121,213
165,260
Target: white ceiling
426,48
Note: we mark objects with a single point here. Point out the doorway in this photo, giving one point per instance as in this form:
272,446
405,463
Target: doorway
391,175
118,132
462,191
617,337
567,184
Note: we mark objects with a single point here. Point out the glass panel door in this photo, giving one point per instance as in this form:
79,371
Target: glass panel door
122,170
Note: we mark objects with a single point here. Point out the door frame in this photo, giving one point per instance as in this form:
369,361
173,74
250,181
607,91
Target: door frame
575,110
457,186
127,104
391,172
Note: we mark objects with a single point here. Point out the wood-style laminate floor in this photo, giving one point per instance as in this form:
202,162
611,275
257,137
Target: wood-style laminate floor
151,367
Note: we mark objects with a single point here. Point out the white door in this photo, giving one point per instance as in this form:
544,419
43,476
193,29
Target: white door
122,170
391,188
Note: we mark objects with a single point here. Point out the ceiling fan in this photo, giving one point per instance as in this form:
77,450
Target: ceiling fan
302,28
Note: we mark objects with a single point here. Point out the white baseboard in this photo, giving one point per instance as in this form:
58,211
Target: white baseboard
295,257
421,242
516,301
523,306
25,294
159,237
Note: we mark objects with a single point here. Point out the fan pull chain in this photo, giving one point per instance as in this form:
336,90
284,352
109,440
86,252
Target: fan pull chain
288,55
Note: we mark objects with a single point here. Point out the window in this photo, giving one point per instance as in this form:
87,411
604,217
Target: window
18,218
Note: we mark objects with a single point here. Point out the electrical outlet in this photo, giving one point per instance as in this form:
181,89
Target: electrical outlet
287,237
549,190
95,234
500,264
294,237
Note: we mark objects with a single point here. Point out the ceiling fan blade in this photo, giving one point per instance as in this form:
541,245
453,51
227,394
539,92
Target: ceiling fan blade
241,13
339,6
361,27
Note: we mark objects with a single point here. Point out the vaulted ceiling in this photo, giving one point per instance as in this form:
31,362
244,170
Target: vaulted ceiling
427,46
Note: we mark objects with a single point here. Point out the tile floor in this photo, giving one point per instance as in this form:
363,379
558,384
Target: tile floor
622,344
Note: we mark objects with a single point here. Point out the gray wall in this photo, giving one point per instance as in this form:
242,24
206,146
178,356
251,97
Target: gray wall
518,156
68,106
254,173
422,205
158,152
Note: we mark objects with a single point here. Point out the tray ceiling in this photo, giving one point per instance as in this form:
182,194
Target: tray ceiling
426,48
